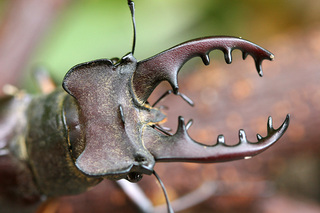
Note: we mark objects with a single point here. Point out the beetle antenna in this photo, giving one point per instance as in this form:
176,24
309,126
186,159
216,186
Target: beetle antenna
131,6
169,207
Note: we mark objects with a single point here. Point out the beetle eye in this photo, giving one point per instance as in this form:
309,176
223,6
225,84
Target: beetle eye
115,60
134,177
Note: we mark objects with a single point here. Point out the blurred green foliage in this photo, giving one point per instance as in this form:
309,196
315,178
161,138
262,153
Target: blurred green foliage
92,29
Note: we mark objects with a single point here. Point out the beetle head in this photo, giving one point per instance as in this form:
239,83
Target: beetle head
112,119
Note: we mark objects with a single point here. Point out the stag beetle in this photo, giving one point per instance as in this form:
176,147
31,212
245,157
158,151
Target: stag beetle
102,125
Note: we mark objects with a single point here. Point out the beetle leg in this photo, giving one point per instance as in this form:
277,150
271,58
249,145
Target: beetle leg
166,128
138,197
162,129
168,92
183,96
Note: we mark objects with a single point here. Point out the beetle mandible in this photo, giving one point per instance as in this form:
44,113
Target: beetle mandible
102,125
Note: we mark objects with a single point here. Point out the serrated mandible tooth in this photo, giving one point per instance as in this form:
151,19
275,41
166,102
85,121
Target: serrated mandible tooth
244,55
270,125
221,139
242,136
205,59
259,67
181,125
190,122
227,56
271,57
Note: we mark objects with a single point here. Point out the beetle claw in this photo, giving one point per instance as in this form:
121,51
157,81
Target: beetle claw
166,65
180,147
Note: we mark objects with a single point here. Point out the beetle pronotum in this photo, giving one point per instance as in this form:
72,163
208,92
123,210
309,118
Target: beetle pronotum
102,125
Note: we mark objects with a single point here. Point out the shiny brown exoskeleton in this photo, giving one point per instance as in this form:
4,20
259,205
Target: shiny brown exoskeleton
103,126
